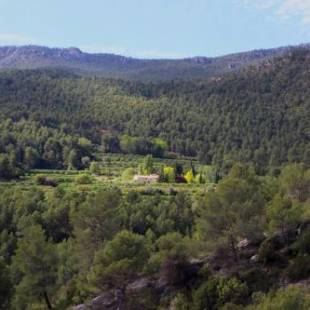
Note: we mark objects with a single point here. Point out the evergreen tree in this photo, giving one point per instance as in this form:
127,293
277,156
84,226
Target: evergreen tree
35,265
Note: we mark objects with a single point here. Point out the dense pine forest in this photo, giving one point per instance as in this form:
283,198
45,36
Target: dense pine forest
260,116
225,226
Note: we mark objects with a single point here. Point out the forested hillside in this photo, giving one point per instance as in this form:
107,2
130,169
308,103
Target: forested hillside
243,246
260,115
220,219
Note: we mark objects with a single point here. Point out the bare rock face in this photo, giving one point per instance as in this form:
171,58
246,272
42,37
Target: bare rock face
139,285
80,307
111,300
243,244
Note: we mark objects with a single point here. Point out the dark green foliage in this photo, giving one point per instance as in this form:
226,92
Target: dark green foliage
295,181
149,164
83,179
141,146
216,292
268,252
110,143
5,285
289,298
9,167
28,144
205,297
257,280
160,216
96,221
283,213
303,243
119,261
60,246
35,266
258,116
170,258
299,269
43,180
234,211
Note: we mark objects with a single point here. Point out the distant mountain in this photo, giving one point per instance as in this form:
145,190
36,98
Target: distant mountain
115,66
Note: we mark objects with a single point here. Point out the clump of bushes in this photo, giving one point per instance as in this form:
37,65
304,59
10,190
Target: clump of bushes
257,280
83,179
299,269
152,191
45,181
291,297
268,253
302,246
216,292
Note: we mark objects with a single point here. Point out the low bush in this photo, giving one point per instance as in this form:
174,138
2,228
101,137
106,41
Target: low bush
46,181
299,269
267,253
83,179
302,245
217,292
256,280
290,298
152,191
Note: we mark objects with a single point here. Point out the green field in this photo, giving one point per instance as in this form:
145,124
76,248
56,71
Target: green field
112,167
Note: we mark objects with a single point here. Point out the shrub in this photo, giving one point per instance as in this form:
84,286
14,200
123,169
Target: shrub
152,191
290,298
299,269
84,189
172,191
256,280
46,181
83,179
40,179
169,174
128,174
189,176
267,253
232,290
206,296
180,302
303,244
217,292
174,270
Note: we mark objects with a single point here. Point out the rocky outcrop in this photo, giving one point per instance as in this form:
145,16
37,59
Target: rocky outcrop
111,300
116,299
179,275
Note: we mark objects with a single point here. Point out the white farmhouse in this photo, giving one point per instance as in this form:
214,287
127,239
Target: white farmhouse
146,179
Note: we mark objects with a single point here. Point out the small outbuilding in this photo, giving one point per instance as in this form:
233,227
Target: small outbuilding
146,179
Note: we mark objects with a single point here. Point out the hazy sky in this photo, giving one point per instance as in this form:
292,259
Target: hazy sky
156,28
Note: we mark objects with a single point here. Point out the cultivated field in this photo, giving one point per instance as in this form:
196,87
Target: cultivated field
112,166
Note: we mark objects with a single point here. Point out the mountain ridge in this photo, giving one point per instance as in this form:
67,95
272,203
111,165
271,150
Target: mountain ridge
129,68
